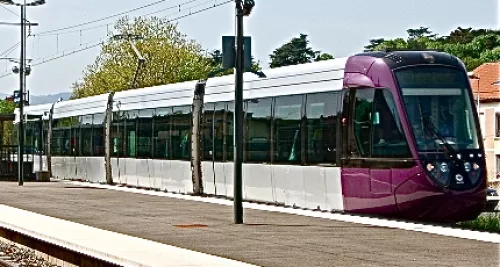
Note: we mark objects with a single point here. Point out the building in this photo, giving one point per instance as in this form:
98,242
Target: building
485,82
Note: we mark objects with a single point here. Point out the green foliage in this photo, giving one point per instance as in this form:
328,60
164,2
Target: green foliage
295,52
473,47
8,133
170,58
215,58
7,107
488,222
323,56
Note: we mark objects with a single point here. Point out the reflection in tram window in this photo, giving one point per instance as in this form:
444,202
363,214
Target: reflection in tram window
144,133
162,133
287,129
181,132
321,112
258,130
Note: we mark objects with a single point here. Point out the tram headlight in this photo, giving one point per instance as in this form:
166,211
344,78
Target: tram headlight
439,171
467,167
444,167
475,174
475,167
430,167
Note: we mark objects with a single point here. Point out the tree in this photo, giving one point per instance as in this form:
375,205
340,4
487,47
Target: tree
373,44
170,58
323,56
7,107
215,58
473,47
296,51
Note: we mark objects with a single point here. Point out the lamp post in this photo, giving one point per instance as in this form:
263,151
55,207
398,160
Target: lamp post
22,79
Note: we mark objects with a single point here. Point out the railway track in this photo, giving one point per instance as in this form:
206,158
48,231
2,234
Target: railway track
15,256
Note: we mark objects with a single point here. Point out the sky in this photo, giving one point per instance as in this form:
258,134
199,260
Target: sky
341,28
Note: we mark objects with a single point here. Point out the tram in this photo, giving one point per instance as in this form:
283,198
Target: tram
392,133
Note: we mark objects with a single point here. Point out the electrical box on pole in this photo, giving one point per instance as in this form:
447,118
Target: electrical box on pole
229,52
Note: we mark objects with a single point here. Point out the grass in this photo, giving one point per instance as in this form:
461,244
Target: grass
485,222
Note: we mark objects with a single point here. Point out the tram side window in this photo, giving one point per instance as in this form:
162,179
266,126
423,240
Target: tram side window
162,140
57,142
32,137
181,132
387,133
287,129
207,130
75,136
214,131
45,137
144,133
230,132
321,112
86,135
98,135
61,139
131,133
219,128
117,134
362,120
258,130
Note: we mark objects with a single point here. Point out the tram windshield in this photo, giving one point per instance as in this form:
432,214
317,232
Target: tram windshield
439,108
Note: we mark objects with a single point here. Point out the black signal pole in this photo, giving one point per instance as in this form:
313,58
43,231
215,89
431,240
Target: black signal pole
23,69
238,136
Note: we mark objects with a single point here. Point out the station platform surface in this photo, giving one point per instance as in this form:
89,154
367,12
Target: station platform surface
266,239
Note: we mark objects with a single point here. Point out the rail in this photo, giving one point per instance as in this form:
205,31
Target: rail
61,253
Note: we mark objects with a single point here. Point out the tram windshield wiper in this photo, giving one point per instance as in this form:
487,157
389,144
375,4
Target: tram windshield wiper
430,127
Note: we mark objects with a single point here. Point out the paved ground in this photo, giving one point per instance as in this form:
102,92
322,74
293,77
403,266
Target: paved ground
267,239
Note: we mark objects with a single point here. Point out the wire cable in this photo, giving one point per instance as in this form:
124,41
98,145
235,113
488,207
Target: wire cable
8,51
66,54
10,11
54,31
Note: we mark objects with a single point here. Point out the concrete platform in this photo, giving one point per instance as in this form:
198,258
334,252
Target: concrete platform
267,238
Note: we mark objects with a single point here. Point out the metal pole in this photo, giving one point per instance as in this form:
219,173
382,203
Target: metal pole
22,79
238,136
478,91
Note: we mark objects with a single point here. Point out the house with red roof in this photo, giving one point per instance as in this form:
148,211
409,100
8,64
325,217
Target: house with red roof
485,82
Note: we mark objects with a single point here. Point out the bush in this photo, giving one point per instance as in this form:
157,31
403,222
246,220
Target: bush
486,222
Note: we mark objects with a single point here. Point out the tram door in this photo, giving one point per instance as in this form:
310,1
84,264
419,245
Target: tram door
373,146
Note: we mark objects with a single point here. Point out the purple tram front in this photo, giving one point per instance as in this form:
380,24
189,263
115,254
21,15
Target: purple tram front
411,146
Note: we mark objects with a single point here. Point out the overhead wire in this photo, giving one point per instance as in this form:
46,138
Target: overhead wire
8,51
64,29
10,11
75,51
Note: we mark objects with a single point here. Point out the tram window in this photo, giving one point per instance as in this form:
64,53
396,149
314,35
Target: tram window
56,142
287,129
181,132
229,132
144,133
321,112
258,129
362,120
131,133
208,146
162,129
86,135
62,138
74,142
117,134
98,131
388,138
45,137
218,123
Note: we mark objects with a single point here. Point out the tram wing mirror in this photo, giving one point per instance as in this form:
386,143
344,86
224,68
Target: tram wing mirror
376,118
